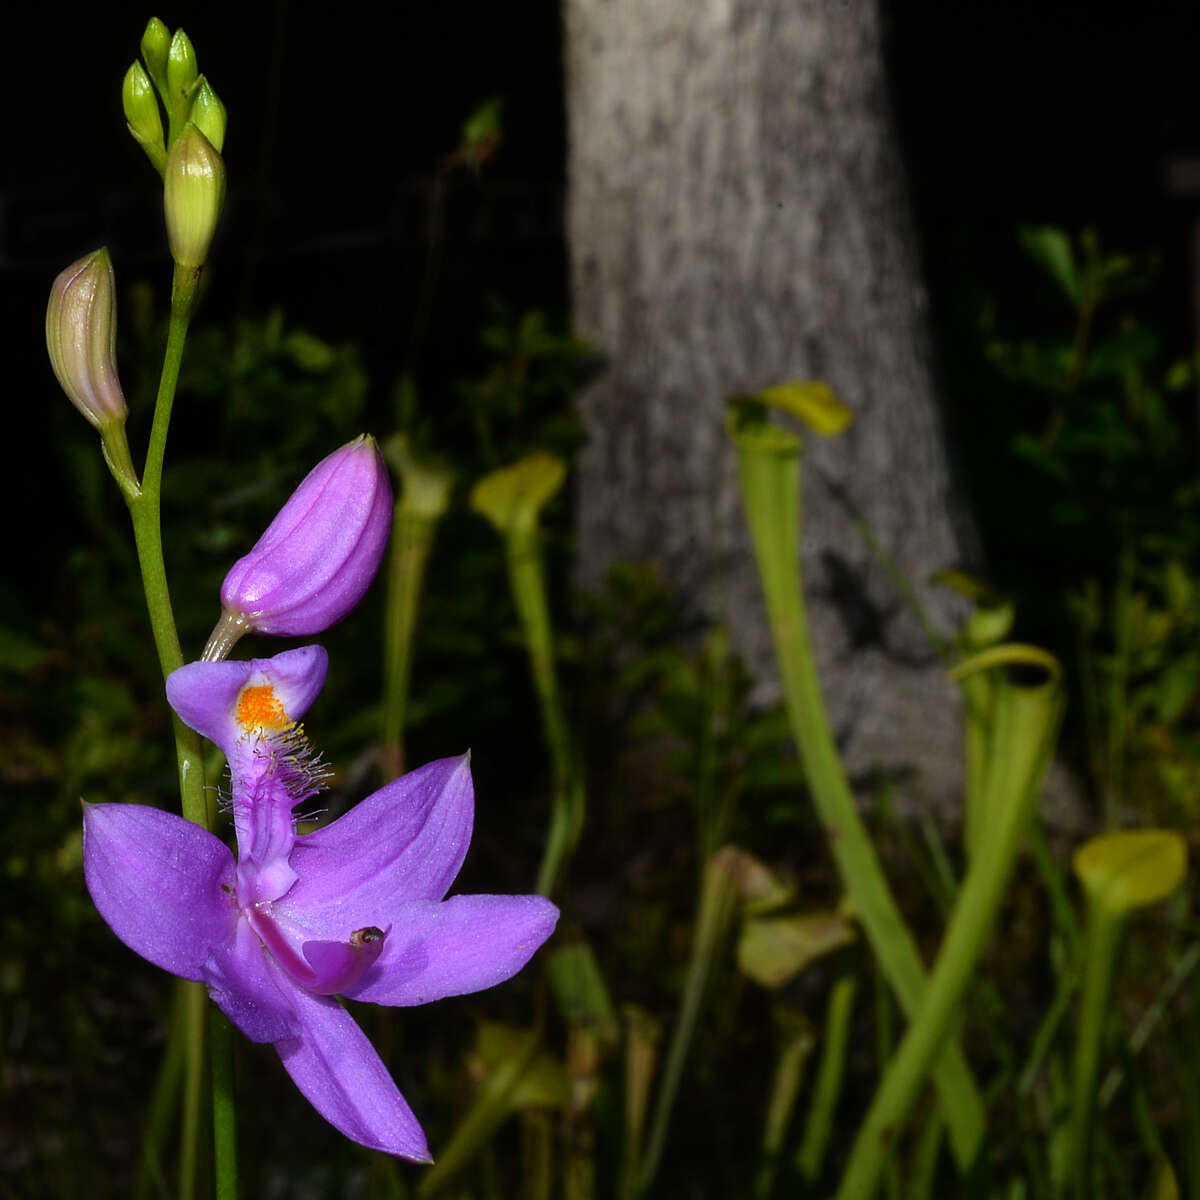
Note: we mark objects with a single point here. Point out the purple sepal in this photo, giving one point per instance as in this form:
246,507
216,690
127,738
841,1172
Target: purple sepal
164,885
247,991
405,841
460,945
205,694
336,1068
318,556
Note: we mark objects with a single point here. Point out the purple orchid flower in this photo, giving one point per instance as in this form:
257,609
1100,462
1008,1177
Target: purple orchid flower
354,909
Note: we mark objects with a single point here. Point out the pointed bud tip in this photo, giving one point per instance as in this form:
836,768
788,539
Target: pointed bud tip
182,68
156,42
208,114
141,111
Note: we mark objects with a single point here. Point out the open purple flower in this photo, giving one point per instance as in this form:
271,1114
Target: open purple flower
354,909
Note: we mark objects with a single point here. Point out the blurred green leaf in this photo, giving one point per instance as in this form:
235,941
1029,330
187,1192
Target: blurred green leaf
772,950
1051,249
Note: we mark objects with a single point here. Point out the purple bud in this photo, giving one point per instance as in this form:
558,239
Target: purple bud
81,334
319,555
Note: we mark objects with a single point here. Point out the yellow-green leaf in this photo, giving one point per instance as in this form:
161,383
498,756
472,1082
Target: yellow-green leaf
811,402
771,950
1131,868
512,497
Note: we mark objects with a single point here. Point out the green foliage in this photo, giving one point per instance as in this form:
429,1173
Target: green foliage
1114,465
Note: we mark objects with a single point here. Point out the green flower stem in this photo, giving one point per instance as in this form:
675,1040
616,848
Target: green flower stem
977,695
412,541
193,1088
1103,937
1024,723
224,1116
145,506
528,585
164,1100
830,1073
769,463
717,898
144,510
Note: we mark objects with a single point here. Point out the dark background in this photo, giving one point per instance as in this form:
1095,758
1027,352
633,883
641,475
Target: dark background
1009,113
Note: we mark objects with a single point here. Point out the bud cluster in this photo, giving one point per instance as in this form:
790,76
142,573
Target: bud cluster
188,154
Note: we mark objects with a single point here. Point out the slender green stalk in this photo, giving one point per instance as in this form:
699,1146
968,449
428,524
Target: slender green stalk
224,1117
1118,717
583,1066
491,1106
164,1100
1103,937
925,1159
830,1074
145,506
717,898
1024,723
537,1154
1047,1031
642,1034
785,1087
144,511
412,541
977,694
1150,1019
1056,888
193,1088
527,580
769,461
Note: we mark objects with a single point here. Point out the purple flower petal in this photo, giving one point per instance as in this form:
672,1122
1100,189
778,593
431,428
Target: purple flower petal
339,1073
164,885
247,991
404,842
460,945
205,694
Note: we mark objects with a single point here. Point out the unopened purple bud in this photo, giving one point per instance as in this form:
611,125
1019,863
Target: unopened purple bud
319,555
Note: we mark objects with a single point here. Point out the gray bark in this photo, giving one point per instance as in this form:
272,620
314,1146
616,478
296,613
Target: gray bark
738,217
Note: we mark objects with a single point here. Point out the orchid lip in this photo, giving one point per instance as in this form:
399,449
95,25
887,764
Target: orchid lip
322,966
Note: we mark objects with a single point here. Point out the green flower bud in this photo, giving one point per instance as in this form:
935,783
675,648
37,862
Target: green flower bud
81,335
182,71
208,114
156,43
193,193
141,112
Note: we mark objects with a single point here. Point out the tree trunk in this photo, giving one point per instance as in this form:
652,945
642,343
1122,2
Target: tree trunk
738,217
